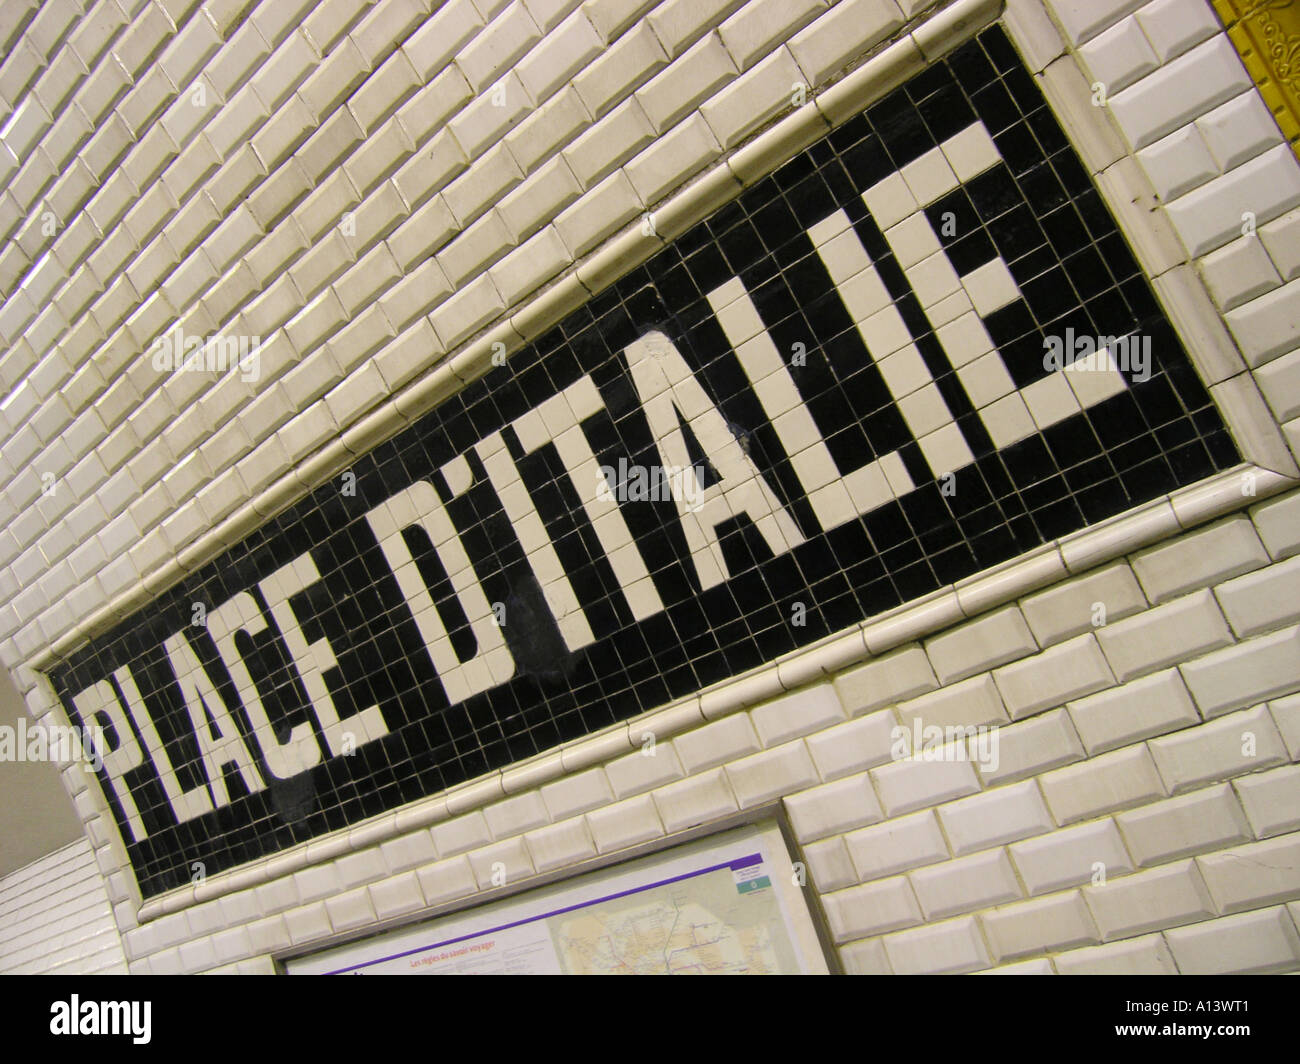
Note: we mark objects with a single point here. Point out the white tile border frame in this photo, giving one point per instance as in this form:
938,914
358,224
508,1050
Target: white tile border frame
1141,221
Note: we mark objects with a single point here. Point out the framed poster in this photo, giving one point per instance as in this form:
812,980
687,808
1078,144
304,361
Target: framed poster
729,902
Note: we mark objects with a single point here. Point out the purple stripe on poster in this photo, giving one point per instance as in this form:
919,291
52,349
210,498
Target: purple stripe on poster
748,861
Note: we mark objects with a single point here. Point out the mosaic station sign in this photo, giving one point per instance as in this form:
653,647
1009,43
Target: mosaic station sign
918,349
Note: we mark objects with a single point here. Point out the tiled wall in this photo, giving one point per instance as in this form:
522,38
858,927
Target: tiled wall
280,170
55,918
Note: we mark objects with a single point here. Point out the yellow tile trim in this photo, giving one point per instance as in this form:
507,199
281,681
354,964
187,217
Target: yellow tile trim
1266,34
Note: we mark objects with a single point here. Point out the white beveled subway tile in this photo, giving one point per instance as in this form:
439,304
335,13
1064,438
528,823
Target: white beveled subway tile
504,41
384,91
447,880
197,954
577,793
1206,819
714,744
1264,599
1239,130
804,711
1253,671
695,800
328,145
408,355
351,909
384,27
771,773
672,158
1229,746
1091,852
1263,941
276,23
901,674
829,866
1043,924
425,115
841,34
1181,629
549,128
871,909
431,47
758,26
232,945
972,702
1212,214
382,152
1133,711
1154,900
461,833
513,816
1271,800
262,965
1053,677
1118,780
424,287
690,80
1207,556
598,214
1071,608
1255,874
477,246
906,785
853,746
545,193
501,864
649,767
94,33
115,195
1180,91
980,645
1119,56
753,99
245,51
530,265
625,823
558,845
307,923
466,310
1179,163
951,947
288,65
976,882
361,283
408,851
680,23
623,67
1004,815
833,808
1147,955
397,896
